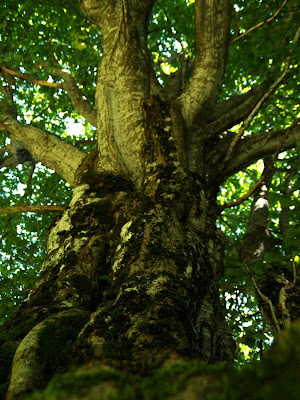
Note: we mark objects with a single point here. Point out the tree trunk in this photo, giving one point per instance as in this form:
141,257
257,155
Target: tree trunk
135,270
275,283
134,262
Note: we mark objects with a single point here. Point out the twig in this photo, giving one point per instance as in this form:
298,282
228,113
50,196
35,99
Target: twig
252,190
266,21
237,22
39,114
29,79
265,299
29,208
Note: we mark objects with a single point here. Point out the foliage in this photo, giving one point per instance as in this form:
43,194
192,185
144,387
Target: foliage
58,30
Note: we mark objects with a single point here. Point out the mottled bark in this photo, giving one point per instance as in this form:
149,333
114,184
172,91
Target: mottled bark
143,264
123,82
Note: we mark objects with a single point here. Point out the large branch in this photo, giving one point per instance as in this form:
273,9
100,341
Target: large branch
212,24
45,147
30,208
26,77
232,111
250,149
123,83
255,110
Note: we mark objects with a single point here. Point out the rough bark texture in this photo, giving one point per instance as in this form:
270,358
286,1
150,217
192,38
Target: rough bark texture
143,265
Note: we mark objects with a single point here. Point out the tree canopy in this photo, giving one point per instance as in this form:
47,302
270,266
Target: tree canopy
50,54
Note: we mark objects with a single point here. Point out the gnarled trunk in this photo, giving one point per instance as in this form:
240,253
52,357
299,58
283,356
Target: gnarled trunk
137,268
131,275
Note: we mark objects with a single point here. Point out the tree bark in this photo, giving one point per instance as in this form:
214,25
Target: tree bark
276,290
143,264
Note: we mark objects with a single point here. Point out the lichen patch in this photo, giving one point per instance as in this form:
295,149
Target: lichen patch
125,233
78,193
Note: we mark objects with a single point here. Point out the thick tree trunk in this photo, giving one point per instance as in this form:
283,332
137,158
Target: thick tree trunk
134,262
135,270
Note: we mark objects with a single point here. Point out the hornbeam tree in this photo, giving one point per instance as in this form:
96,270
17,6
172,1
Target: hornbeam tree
130,283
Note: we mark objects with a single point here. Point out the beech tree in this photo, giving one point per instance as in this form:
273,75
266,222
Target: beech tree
176,98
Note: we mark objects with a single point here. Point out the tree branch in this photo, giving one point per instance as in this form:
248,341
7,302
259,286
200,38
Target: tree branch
266,21
8,91
45,147
232,111
252,114
212,24
250,149
261,179
79,101
265,299
29,79
28,208
287,190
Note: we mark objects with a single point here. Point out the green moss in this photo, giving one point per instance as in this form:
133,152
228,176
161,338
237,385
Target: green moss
112,324
103,211
56,340
20,330
161,331
9,341
99,210
180,260
168,381
158,384
78,383
82,351
71,258
6,357
110,184
115,350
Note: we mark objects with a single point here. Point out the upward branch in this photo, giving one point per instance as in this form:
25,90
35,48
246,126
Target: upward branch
79,101
232,111
212,23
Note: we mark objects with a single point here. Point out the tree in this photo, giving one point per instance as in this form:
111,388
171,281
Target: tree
131,278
